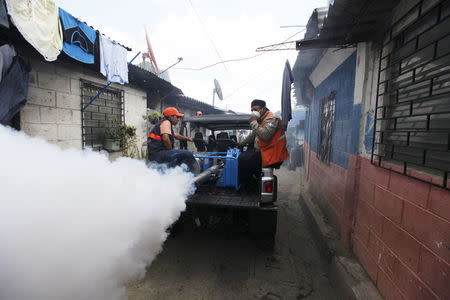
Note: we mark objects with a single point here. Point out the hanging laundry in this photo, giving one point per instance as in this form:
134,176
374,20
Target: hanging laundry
7,54
78,37
14,89
3,15
38,22
113,61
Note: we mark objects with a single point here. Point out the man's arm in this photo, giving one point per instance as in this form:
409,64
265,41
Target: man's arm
248,139
166,141
265,132
182,137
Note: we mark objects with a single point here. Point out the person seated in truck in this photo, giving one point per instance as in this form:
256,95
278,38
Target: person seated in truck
267,135
160,141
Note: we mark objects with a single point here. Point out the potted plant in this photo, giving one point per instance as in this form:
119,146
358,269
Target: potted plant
118,137
152,116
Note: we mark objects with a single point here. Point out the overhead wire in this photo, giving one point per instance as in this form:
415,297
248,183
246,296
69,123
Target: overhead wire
207,34
235,59
259,74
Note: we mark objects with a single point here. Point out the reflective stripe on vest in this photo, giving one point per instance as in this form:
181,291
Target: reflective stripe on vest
154,136
154,139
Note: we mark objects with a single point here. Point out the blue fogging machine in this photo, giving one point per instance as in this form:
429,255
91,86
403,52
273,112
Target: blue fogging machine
223,166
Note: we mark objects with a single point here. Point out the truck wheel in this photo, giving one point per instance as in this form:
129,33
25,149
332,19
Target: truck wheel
266,242
263,226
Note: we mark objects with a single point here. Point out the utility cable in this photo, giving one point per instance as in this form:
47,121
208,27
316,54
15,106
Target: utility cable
207,34
235,59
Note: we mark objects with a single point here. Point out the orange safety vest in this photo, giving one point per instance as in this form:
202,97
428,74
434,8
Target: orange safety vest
273,151
154,139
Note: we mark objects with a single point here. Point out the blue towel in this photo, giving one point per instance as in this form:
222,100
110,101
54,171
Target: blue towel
78,37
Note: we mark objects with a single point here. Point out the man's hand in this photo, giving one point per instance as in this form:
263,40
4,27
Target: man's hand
190,139
252,118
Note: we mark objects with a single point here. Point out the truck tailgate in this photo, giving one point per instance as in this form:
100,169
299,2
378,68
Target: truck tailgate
236,201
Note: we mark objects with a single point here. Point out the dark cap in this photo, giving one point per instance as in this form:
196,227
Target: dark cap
258,102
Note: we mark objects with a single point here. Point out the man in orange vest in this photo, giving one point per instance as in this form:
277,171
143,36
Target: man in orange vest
267,135
160,141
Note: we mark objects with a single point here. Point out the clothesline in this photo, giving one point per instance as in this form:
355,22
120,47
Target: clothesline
102,90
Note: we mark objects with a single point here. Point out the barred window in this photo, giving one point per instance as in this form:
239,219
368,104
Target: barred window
412,133
327,110
105,112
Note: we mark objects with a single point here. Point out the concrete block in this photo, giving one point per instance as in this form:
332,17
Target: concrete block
428,228
68,101
64,116
402,244
75,86
30,114
33,79
55,82
97,78
76,117
46,131
69,132
69,70
41,97
434,272
49,115
40,65
389,204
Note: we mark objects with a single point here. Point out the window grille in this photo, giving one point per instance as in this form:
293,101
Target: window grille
327,111
412,134
105,112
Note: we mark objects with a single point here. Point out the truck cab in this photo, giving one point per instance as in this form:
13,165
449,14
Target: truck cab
230,181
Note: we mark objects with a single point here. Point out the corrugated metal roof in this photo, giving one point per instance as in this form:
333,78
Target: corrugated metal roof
149,81
351,21
181,99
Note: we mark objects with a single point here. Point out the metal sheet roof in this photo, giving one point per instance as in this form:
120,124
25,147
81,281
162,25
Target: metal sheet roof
149,81
221,122
350,21
192,103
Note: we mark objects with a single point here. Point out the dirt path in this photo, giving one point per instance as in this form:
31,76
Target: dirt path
224,265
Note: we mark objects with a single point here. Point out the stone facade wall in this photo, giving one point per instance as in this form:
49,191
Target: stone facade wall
53,110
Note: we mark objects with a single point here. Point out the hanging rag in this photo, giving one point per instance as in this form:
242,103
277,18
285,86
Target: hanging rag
38,22
14,89
113,61
3,15
286,108
7,54
78,38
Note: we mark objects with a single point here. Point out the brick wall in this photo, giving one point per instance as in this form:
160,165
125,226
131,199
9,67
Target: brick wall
53,110
399,227
402,233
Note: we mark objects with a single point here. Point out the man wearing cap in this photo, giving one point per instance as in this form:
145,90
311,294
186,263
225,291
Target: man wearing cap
267,135
160,141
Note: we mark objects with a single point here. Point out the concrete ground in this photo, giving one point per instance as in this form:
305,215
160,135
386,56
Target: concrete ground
219,264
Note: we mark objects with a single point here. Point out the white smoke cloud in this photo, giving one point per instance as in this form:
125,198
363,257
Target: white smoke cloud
74,225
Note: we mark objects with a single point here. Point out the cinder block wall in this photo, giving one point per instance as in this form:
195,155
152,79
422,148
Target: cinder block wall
401,231
398,227
53,110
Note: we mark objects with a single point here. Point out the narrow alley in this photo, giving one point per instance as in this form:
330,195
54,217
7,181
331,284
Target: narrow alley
207,265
